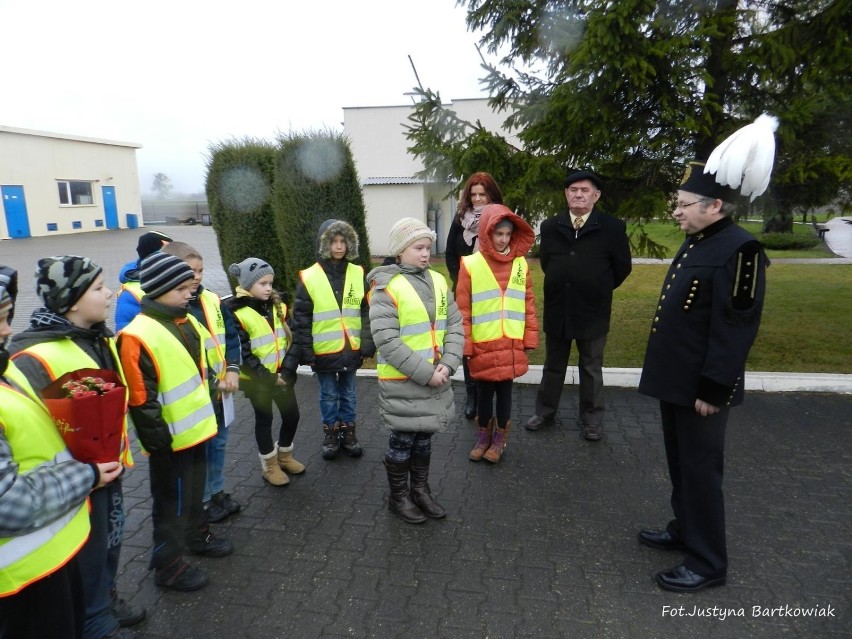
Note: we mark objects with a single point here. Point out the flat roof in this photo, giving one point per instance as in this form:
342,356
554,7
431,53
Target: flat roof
66,136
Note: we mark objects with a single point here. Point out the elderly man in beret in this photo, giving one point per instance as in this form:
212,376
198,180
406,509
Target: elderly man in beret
585,256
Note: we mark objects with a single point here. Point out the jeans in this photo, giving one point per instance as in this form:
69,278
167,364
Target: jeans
337,396
216,454
98,559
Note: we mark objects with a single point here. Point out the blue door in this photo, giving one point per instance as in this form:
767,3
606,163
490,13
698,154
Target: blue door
17,220
110,208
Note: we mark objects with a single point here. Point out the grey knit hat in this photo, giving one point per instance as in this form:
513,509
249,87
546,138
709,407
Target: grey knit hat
159,273
62,280
249,271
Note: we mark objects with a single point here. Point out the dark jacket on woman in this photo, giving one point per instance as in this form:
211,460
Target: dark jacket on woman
581,270
456,249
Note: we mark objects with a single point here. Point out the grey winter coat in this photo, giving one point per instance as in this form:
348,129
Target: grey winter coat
412,405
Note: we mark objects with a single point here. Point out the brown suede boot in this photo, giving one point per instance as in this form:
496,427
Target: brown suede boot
483,440
287,462
270,469
498,443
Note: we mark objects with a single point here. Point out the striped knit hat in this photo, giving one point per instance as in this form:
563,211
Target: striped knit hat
8,290
159,273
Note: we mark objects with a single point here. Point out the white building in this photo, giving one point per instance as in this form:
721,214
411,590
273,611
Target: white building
52,183
387,170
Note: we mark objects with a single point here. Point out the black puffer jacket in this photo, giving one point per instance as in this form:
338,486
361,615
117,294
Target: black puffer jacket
303,306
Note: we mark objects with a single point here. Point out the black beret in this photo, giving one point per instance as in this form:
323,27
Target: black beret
576,176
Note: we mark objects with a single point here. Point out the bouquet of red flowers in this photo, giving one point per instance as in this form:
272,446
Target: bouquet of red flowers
88,406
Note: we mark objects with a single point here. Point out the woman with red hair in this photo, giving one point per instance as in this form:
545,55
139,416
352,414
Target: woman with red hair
479,190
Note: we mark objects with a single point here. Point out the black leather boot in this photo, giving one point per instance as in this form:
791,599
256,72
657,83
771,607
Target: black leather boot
420,492
399,500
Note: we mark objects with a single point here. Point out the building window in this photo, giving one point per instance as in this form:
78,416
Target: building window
74,192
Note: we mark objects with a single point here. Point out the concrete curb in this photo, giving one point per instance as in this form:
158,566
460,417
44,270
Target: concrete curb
629,378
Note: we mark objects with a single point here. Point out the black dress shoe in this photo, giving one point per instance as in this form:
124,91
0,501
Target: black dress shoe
211,546
660,539
535,422
682,579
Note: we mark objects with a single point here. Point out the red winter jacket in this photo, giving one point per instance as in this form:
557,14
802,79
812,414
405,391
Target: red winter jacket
502,359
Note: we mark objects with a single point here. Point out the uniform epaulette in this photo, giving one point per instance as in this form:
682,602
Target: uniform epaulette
745,280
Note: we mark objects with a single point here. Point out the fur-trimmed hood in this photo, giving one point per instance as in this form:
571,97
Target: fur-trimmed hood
326,233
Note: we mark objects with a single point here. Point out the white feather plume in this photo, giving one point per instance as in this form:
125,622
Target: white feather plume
746,157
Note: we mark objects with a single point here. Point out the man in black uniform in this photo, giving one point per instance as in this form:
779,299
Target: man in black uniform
585,256
706,321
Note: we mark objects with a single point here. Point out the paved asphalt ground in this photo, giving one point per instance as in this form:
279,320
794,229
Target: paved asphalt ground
541,545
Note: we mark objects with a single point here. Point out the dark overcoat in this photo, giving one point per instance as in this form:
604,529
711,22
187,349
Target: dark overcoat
581,270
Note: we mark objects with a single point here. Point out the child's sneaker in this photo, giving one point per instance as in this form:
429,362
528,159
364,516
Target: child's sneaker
226,502
215,513
331,441
181,576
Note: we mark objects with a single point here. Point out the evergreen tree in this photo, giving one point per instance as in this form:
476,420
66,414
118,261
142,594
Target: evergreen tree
634,89
239,195
315,180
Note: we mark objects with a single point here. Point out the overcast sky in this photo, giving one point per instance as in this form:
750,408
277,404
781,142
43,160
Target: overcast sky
175,76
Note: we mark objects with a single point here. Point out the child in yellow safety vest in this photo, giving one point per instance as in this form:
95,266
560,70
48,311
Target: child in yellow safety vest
269,366
170,361
65,335
495,297
208,309
44,515
418,333
331,332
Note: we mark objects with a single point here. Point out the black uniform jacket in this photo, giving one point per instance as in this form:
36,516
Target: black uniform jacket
581,270
706,318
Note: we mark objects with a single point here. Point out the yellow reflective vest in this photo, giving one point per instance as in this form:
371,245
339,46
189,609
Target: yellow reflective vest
415,330
183,392
495,313
211,304
268,343
332,324
134,288
34,440
62,356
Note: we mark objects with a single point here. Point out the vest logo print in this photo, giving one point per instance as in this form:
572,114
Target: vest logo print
442,304
351,298
518,277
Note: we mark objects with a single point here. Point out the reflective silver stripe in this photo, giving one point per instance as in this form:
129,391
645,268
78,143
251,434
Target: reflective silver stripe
193,419
355,332
487,317
272,358
426,353
280,332
441,325
16,548
515,315
351,312
485,295
261,341
327,337
180,391
326,315
415,329
515,294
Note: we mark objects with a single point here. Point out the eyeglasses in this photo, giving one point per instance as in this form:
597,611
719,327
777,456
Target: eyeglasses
686,206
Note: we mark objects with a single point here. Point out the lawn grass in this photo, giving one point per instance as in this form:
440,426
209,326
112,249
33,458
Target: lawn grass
669,235
806,325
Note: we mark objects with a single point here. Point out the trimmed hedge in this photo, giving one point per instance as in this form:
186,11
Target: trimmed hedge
315,180
787,241
239,194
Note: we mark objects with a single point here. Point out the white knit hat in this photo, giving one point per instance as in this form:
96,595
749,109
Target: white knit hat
406,232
